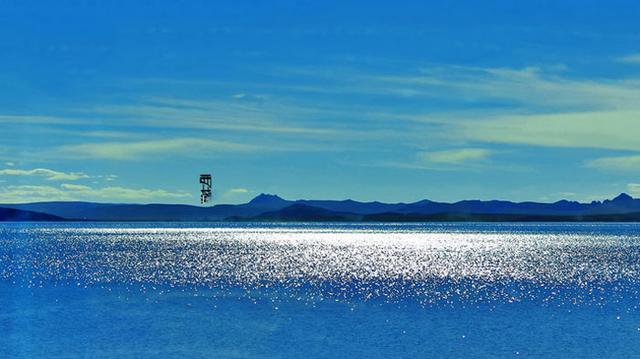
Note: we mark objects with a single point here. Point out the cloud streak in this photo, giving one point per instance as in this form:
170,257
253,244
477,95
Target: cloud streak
630,59
634,189
239,190
140,149
74,192
535,106
619,163
212,114
477,108
48,174
456,156
614,130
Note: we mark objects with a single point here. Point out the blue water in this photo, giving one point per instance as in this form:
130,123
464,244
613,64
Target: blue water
193,290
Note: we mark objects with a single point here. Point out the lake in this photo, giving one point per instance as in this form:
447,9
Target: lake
228,290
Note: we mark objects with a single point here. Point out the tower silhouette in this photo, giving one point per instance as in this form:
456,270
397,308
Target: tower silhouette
205,192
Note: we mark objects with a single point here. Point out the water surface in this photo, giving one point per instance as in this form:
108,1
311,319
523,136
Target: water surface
112,290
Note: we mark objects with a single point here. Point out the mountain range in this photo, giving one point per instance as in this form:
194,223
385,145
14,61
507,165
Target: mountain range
267,207
17,215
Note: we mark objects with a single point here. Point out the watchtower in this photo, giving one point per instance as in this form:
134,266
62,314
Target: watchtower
205,192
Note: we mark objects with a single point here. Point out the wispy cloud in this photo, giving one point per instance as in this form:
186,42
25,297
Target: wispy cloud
630,59
74,192
605,130
135,150
109,178
536,106
444,160
619,163
37,119
239,190
634,189
236,194
536,89
475,107
49,174
256,115
531,88
455,156
75,187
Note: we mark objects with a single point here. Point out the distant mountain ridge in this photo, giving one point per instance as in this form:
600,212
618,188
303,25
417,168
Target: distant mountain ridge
17,215
273,207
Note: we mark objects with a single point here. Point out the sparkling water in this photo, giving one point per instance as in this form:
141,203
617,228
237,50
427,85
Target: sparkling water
202,290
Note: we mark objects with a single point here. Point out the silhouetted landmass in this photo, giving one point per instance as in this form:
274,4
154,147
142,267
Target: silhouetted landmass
497,217
301,213
266,207
154,212
10,214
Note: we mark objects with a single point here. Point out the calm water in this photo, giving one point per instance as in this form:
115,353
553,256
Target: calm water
190,290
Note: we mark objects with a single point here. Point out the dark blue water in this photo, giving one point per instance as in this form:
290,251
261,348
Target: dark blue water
110,290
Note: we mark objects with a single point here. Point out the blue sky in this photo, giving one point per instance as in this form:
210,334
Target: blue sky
116,101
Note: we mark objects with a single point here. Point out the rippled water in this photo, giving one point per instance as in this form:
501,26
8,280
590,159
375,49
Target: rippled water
378,290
